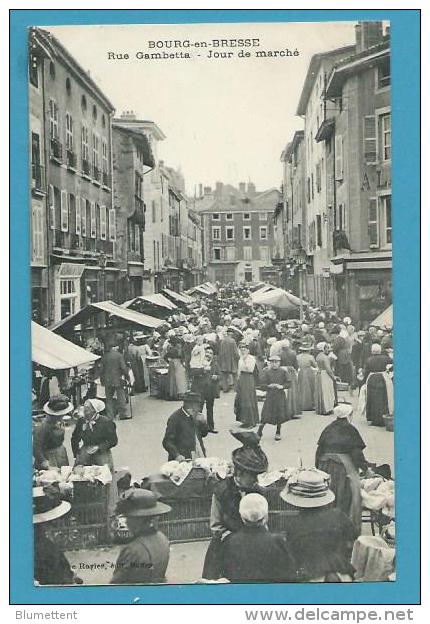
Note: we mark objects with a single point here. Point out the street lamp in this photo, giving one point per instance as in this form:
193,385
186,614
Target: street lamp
102,258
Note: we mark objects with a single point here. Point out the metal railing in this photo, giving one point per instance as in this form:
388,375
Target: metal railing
56,150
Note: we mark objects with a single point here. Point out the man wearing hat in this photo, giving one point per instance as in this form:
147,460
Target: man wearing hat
48,437
320,537
113,372
145,558
185,430
50,564
253,554
228,358
274,380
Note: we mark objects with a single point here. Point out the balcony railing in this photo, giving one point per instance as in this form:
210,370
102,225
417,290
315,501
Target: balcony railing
71,159
96,174
37,178
56,150
76,243
86,169
61,240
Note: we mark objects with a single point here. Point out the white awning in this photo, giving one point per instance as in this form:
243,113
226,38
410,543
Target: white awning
156,299
128,315
54,352
385,319
181,297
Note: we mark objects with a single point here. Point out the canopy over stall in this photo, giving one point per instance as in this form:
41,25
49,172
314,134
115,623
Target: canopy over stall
55,352
179,297
205,289
112,309
278,298
262,289
156,299
385,319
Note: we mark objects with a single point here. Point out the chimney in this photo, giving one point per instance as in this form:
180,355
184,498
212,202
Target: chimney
207,190
242,187
218,188
200,190
251,189
367,34
128,115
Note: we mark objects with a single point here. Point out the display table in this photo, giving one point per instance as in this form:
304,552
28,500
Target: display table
158,382
189,519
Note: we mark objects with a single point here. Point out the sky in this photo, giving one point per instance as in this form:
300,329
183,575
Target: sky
225,119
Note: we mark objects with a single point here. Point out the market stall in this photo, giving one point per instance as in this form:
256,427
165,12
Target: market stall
385,319
279,299
155,305
179,298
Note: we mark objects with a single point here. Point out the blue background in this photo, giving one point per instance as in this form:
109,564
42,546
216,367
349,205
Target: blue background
405,35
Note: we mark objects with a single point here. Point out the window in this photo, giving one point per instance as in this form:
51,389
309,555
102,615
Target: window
112,224
69,132
338,158
340,218
385,202
85,210
68,86
36,170
373,223
103,121
217,253
78,215
216,233
231,253
64,212
319,231
96,155
229,216
68,297
229,233
386,137
263,216
93,222
154,211
318,177
53,119
369,137
84,104
215,216
138,185
137,238
94,112
247,233
37,233
103,222
264,254
308,189
312,185
246,216
52,70
383,74
84,147
263,232
104,156
247,253
33,70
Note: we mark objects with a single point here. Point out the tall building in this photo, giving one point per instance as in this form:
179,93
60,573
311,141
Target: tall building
357,138
132,160
81,222
238,232
312,108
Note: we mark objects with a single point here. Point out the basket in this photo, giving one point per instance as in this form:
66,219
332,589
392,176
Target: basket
389,423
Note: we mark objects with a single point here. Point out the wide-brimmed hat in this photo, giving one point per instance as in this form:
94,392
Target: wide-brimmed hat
47,504
139,502
58,405
306,343
97,404
308,489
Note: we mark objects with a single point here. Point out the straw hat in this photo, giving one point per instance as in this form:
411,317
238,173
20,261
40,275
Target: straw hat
47,505
139,502
58,405
308,489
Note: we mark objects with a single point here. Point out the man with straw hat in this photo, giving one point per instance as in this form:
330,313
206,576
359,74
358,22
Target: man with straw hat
320,537
48,437
145,558
50,564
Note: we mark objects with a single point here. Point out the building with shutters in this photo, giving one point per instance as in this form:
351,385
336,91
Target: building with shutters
238,232
357,138
75,150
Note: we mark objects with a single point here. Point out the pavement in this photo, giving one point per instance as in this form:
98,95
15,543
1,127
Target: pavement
139,449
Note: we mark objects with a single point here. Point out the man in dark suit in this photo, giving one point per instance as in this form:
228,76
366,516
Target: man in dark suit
113,371
185,430
253,554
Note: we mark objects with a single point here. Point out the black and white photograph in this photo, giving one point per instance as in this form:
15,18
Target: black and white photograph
211,303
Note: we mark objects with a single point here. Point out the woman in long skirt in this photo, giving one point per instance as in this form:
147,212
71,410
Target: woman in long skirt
275,380
177,380
245,403
306,377
378,387
325,398
290,363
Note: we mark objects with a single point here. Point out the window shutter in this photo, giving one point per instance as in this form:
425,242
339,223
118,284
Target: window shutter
51,202
319,231
103,217
339,158
64,212
37,232
369,137
136,238
78,215
373,222
112,224
93,226
84,217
